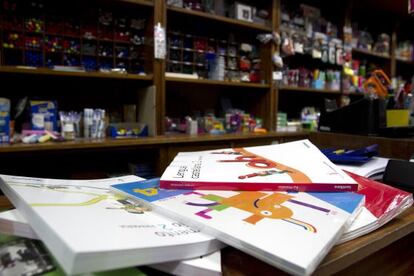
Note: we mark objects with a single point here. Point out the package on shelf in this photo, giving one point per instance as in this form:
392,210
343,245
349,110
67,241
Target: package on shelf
4,120
234,121
70,124
94,123
127,130
405,50
309,118
43,115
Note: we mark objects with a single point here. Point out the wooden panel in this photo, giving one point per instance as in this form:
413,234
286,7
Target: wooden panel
51,72
5,203
388,147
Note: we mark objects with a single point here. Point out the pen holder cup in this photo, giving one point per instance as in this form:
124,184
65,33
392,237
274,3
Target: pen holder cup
398,117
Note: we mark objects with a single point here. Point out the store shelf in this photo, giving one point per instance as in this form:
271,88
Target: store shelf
149,3
370,53
403,61
47,72
216,82
353,94
310,90
82,144
221,19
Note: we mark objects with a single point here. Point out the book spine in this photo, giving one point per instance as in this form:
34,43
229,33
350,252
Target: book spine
297,187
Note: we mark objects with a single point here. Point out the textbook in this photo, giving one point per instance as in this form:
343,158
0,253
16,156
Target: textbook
87,228
382,203
374,168
292,231
12,223
293,166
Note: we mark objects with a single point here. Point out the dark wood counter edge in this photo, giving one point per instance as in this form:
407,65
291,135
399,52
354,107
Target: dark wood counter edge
348,253
399,148
5,203
145,141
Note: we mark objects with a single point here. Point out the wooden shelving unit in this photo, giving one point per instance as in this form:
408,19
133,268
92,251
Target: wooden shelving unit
309,90
259,99
87,144
353,94
52,72
149,3
217,83
405,62
370,53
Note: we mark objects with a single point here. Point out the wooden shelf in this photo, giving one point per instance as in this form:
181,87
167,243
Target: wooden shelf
403,61
370,53
216,82
306,89
221,19
149,3
145,141
51,72
353,94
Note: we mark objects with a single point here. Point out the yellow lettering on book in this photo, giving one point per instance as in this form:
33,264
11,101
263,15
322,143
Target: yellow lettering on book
147,192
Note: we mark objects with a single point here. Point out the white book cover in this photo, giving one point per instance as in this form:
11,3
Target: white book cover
371,168
12,223
292,231
293,166
209,265
87,228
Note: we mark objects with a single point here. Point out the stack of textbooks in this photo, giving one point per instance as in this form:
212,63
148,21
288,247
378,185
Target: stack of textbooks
87,228
285,204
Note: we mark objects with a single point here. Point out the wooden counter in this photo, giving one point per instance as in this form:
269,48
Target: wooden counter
400,148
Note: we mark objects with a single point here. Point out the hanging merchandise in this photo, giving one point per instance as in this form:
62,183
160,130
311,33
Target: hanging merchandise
159,42
287,45
331,52
298,43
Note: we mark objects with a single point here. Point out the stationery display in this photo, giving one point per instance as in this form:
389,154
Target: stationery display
293,166
87,228
292,231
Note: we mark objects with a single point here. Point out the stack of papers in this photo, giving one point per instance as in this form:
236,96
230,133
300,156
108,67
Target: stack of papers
382,203
12,223
374,168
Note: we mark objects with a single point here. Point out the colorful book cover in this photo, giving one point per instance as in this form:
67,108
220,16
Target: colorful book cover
292,231
382,203
294,166
87,228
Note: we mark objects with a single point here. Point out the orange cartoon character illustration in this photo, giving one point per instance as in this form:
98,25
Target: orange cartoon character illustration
260,205
268,166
